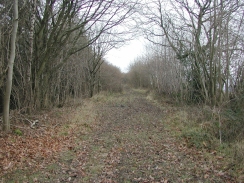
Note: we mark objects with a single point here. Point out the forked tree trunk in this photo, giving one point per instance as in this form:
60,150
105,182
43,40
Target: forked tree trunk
6,122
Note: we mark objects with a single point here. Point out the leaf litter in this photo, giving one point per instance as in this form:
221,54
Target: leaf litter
123,139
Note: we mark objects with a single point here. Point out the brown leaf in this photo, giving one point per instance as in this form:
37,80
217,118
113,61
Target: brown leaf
8,166
206,176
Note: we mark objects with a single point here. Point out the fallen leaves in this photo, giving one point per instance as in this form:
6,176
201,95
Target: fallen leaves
31,149
28,151
124,146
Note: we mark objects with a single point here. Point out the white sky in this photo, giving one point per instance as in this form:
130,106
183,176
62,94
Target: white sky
125,55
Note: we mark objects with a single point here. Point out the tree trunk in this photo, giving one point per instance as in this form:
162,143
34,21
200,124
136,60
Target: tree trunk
92,81
6,122
29,91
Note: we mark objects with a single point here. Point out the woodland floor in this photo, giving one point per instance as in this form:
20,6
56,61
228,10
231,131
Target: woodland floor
110,138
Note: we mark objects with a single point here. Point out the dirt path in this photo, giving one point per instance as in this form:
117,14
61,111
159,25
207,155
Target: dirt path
129,142
133,144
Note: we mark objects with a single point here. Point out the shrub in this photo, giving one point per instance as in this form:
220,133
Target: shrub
196,137
239,152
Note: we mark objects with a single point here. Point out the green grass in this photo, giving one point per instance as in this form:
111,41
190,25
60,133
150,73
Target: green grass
18,132
197,137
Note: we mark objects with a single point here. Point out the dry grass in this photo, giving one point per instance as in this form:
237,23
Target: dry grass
199,127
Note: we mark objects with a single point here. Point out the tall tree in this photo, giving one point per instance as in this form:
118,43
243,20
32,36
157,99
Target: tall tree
194,30
29,92
64,28
6,123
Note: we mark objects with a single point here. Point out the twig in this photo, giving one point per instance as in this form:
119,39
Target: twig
17,126
34,123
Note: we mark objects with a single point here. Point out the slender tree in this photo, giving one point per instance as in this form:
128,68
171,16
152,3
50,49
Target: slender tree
6,122
194,30
29,92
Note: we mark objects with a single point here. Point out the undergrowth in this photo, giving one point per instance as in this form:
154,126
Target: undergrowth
199,127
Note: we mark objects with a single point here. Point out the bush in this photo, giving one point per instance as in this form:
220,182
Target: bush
196,137
239,152
232,125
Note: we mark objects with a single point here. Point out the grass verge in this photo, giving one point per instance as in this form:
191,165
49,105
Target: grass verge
198,127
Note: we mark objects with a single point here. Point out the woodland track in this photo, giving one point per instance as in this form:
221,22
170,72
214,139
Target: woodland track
126,139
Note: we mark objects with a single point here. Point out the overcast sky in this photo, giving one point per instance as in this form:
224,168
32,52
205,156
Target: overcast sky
125,55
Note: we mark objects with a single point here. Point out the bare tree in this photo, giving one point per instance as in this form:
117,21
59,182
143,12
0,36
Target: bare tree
77,24
29,92
55,33
194,30
6,123
111,78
